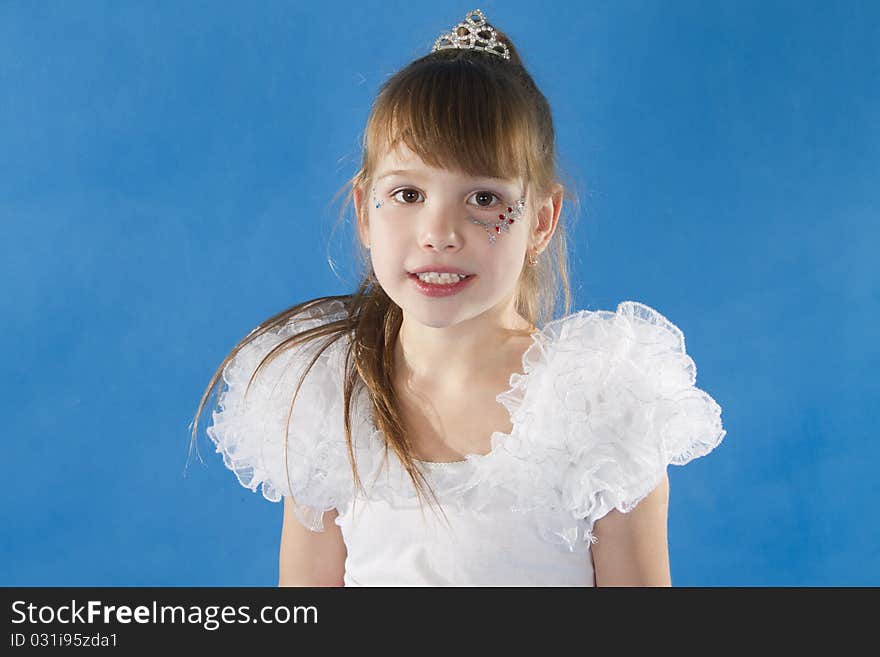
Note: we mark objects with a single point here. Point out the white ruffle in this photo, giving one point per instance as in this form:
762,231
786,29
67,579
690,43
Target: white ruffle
630,412
605,402
249,431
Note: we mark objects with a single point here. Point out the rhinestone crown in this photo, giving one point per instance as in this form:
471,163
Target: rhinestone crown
474,32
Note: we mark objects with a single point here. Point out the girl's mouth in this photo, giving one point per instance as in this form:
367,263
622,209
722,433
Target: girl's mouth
440,289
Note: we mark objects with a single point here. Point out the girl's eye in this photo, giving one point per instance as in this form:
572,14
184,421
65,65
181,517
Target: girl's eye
412,195
408,195
483,195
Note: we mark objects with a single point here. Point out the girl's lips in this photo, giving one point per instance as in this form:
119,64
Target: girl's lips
440,269
439,289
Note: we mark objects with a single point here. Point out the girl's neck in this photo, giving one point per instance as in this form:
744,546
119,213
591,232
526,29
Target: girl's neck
441,359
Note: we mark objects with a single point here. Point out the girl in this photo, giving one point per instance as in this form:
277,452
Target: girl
542,452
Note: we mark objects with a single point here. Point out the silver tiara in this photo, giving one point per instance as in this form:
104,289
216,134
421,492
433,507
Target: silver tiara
476,33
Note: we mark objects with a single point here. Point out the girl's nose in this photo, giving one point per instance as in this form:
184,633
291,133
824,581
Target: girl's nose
442,227
445,240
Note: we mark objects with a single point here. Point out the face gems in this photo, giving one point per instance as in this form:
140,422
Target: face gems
375,200
494,228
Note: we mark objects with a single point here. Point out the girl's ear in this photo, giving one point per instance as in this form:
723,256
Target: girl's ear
363,224
548,218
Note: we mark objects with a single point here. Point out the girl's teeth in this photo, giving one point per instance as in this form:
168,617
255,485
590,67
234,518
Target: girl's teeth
445,279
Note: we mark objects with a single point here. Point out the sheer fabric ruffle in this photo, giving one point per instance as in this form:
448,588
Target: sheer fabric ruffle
249,431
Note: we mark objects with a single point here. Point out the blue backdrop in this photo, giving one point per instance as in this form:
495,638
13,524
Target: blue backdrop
166,178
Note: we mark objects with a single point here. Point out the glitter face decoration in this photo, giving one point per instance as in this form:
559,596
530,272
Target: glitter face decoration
494,228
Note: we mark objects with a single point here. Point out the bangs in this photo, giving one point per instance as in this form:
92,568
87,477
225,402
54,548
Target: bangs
454,116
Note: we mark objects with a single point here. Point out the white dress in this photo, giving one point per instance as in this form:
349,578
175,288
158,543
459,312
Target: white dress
604,403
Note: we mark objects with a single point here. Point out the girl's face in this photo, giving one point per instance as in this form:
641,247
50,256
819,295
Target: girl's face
419,216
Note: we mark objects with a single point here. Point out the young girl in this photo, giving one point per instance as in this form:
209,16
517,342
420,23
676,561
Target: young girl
541,452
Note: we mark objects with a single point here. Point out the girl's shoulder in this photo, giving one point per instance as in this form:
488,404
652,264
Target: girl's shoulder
596,352
602,330
607,400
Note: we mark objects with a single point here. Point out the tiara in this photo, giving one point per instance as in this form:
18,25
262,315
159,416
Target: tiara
474,32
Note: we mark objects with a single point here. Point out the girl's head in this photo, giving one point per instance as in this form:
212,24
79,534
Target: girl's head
453,141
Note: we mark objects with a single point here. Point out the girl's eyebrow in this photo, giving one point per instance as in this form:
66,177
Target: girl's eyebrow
396,172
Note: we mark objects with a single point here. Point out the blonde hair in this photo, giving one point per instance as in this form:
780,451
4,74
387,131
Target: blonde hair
462,110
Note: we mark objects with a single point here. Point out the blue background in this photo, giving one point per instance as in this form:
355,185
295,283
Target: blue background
167,172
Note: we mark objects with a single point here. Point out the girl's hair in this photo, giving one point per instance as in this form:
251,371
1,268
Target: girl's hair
457,109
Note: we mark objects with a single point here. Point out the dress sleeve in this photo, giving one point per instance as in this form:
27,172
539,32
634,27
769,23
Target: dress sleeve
308,462
636,410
